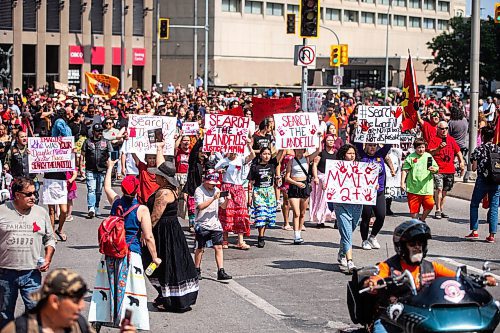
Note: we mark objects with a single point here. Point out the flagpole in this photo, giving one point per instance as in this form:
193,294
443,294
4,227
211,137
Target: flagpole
387,54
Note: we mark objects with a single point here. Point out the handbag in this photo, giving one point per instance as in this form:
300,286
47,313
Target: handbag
308,188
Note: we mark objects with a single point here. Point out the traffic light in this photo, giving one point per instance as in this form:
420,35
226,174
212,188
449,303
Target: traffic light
164,28
290,24
497,13
335,55
309,18
344,55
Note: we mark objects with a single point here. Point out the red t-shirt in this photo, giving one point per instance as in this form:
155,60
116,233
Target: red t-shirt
147,183
445,157
182,161
428,131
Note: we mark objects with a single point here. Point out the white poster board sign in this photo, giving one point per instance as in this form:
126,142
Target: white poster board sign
49,154
378,124
296,130
190,128
138,140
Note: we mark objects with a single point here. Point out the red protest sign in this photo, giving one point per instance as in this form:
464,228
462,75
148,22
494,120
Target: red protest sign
225,133
265,107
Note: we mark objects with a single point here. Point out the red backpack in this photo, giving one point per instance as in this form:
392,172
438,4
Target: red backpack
111,234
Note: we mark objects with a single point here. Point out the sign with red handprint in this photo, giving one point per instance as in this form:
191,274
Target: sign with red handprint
297,130
351,182
225,133
379,124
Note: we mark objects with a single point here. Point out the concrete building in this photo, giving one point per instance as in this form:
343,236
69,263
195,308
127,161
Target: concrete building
248,44
42,41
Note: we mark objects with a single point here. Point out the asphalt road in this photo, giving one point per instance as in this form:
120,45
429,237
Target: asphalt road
282,287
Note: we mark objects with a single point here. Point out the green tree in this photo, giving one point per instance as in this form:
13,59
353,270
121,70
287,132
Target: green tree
451,52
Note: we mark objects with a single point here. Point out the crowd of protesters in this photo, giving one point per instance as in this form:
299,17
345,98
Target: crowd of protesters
217,194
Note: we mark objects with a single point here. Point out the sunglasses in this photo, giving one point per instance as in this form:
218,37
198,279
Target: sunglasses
29,194
443,128
109,123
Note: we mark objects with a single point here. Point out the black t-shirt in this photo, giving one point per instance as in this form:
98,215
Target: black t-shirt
322,162
260,141
263,175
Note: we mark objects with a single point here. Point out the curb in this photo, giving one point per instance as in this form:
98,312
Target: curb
462,190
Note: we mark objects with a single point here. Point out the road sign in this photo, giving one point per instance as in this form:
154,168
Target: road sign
305,55
337,80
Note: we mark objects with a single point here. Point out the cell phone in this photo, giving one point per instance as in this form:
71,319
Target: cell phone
114,155
155,135
127,319
224,194
429,162
443,139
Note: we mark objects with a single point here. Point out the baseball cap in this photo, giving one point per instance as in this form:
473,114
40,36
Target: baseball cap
97,128
130,185
61,282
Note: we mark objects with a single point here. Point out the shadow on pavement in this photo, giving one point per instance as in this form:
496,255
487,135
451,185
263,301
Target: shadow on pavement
295,264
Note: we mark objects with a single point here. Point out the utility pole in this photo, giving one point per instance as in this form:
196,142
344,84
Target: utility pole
205,72
386,93
474,82
303,92
158,41
122,49
195,44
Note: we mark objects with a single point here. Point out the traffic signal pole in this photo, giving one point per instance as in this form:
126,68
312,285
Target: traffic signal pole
158,41
303,91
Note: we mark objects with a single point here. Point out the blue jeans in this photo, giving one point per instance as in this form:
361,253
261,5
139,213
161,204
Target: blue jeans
347,220
482,187
11,283
95,182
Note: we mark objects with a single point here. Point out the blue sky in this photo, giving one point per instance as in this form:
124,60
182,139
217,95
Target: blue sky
488,6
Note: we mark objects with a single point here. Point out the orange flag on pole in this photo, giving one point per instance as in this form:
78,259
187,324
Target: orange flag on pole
102,84
410,102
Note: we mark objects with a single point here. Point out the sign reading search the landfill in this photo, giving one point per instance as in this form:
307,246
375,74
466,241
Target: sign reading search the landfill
379,124
49,154
225,133
351,182
138,140
296,130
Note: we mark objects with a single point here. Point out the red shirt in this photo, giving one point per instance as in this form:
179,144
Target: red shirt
445,157
147,183
428,131
182,161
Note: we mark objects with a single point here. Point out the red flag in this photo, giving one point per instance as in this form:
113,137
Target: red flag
496,139
265,107
410,92
238,111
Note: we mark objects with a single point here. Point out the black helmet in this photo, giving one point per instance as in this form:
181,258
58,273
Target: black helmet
409,231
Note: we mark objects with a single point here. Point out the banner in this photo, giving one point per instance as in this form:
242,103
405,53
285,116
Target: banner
351,182
398,154
102,84
410,94
190,128
238,111
296,130
49,154
265,107
314,101
61,86
378,124
225,133
138,140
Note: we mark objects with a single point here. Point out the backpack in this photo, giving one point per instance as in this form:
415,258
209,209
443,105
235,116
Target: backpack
22,324
111,234
494,165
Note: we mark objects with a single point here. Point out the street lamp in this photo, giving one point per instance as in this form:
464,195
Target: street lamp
387,54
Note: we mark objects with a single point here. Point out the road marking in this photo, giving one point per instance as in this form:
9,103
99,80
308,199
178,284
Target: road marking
469,268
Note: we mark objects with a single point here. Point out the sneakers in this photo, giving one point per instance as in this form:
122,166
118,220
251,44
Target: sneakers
350,266
472,236
198,270
342,260
91,214
222,275
444,216
261,242
298,241
490,239
438,215
366,245
374,242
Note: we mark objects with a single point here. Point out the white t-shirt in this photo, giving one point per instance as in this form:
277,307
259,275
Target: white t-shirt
207,218
235,170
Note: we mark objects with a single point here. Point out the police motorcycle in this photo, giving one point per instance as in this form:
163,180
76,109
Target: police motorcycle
459,304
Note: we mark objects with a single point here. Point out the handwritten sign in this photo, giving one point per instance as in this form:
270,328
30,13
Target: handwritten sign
397,154
225,133
51,154
351,182
190,128
296,130
378,124
138,127
314,101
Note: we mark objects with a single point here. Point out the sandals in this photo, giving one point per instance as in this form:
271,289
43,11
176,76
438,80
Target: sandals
61,235
243,246
287,227
225,245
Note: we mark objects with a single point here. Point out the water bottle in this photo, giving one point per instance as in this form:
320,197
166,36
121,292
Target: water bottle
40,262
151,268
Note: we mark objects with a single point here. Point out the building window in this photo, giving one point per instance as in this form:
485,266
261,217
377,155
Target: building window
96,19
415,4
368,18
368,1
117,17
75,16
399,3
443,25
254,7
231,6
399,21
350,16
444,6
382,19
415,22
459,13
383,2
430,4
5,15
332,14
29,64
52,63
294,9
29,15
274,9
53,15
429,23
138,18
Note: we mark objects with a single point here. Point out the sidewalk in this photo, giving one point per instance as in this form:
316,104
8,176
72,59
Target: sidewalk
462,190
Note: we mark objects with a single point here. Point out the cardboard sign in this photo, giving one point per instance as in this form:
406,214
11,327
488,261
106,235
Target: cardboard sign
49,154
296,130
190,128
314,101
351,182
138,140
378,124
225,133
